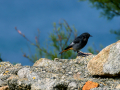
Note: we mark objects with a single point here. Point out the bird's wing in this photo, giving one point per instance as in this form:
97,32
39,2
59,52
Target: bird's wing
70,46
75,41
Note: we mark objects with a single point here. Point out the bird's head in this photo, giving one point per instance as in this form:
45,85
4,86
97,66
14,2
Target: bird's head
85,36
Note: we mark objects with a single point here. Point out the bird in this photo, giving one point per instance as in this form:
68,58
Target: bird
78,43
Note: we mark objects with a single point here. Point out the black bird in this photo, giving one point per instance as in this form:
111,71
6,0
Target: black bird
78,43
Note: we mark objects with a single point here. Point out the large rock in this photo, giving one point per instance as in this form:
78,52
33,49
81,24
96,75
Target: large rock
107,62
57,74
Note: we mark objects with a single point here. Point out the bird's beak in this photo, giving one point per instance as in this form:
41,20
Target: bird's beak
91,36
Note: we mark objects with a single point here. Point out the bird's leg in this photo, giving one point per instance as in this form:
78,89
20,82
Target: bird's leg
85,53
77,51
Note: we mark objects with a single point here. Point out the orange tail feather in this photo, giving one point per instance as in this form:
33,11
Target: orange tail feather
66,50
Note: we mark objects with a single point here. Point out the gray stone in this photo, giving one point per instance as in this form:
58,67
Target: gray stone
72,86
61,74
22,73
112,66
15,84
45,84
3,83
107,62
26,73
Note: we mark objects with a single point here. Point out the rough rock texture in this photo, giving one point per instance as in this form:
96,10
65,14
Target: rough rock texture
64,74
4,88
45,74
107,62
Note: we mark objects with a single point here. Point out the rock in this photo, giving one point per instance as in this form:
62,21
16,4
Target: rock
89,85
57,74
5,64
2,83
72,86
15,84
46,62
43,62
45,84
107,62
6,68
26,73
118,86
4,88
22,73
13,77
112,66
61,85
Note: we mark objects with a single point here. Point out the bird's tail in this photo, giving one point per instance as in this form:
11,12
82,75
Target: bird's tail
66,50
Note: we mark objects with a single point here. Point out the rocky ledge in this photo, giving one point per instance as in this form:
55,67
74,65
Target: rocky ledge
93,72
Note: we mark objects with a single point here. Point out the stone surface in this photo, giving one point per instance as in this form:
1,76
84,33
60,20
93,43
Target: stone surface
64,74
118,86
2,83
22,73
72,86
107,62
19,84
46,74
44,84
112,66
4,88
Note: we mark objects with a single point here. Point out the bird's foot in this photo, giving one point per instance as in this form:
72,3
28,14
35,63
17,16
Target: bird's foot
83,54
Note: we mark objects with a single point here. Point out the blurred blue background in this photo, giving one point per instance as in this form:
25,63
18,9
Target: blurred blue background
29,15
